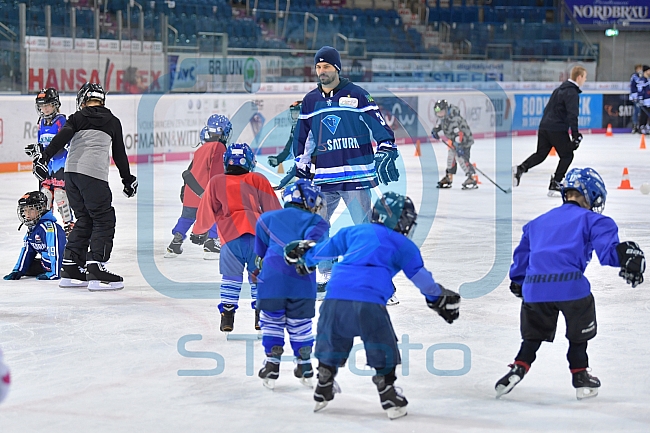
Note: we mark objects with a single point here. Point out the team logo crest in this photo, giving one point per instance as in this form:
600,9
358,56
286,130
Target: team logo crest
331,122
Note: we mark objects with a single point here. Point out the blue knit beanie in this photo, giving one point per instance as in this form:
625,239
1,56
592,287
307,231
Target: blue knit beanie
329,55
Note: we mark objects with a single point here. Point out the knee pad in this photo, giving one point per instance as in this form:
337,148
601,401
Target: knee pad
61,199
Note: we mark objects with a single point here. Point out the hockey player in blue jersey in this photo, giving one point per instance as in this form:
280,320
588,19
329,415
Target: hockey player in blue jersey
44,237
634,97
285,298
548,274
50,122
339,120
355,304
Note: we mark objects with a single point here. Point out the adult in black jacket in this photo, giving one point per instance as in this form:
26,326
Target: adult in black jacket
94,133
560,116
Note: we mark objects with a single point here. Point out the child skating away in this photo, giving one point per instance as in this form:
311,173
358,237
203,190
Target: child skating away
361,284
50,122
234,201
285,298
42,253
206,163
548,274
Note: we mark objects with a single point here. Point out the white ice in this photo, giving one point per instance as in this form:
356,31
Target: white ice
103,362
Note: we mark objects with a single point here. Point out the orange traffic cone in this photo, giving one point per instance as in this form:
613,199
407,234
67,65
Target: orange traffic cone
625,181
478,182
552,152
642,142
280,169
609,132
417,148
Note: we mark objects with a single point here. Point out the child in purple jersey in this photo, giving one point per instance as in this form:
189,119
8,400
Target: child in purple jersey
50,122
548,274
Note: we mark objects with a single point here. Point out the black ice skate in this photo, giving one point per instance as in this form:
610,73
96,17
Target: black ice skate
585,384
304,371
101,279
72,275
554,188
175,248
507,382
635,129
392,401
211,249
470,183
445,182
517,172
227,318
325,389
271,370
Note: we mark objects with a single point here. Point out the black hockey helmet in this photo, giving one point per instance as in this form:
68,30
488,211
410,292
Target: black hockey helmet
294,112
34,200
90,91
48,96
441,105
396,212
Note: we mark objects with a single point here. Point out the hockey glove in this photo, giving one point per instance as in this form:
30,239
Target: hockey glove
273,161
199,239
434,133
34,150
259,261
303,170
515,288
15,275
632,262
576,139
293,255
45,277
130,186
39,168
447,305
385,166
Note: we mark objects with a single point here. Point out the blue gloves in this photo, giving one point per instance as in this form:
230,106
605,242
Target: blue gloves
14,275
385,166
45,277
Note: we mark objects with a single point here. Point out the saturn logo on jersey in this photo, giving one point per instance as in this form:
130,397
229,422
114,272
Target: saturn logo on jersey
331,122
342,143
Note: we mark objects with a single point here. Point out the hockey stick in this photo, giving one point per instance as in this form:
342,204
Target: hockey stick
453,148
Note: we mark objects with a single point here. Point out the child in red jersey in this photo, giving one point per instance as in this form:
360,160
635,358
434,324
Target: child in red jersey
235,200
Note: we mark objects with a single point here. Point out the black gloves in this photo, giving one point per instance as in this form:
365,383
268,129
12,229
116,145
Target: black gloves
39,168
632,262
576,138
273,161
515,288
447,305
130,186
34,150
293,255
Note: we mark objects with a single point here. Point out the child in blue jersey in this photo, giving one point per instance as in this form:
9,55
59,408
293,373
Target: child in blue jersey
548,273
44,237
355,303
50,123
285,298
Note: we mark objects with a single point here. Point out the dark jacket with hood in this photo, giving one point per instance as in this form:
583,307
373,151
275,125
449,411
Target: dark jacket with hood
561,112
94,133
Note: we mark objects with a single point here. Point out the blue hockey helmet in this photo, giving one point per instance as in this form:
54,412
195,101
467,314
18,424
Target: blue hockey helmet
239,155
589,184
304,193
219,128
396,212
204,135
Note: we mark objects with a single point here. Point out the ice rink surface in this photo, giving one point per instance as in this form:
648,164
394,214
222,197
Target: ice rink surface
112,362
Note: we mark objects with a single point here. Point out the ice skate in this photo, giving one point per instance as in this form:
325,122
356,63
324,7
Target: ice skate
635,129
507,382
101,279
72,275
392,300
517,172
554,188
325,388
445,182
211,249
392,400
470,183
271,370
585,384
227,318
257,320
304,370
175,248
